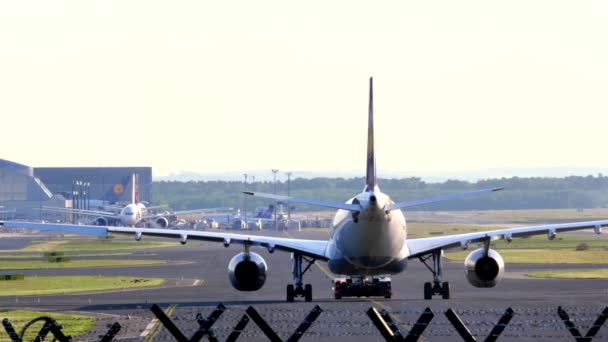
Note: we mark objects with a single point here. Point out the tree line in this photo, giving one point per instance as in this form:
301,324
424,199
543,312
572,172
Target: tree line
520,193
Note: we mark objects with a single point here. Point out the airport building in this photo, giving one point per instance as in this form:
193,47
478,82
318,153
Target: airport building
24,188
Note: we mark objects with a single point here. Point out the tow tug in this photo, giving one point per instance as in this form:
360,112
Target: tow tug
361,286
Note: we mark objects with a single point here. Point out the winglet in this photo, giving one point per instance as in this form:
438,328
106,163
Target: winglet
370,177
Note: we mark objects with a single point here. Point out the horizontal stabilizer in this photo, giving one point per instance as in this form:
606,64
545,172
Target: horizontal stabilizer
423,201
327,204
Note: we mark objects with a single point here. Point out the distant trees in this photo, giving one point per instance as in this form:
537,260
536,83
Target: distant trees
520,193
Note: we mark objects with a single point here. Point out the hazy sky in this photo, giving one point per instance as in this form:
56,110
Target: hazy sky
242,85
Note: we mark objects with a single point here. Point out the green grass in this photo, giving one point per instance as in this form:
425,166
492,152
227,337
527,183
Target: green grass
71,255
427,229
73,325
32,286
561,241
534,216
39,264
577,274
543,256
96,245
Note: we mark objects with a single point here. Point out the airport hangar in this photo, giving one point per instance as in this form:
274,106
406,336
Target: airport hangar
24,188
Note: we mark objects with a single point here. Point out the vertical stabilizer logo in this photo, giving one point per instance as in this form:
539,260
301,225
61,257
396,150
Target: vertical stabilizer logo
119,189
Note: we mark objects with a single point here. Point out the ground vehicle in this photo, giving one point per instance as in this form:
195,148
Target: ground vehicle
360,286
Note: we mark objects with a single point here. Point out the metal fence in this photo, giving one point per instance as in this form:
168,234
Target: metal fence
382,320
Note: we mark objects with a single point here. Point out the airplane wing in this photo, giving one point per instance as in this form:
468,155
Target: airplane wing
418,202
356,207
327,204
422,246
79,211
312,248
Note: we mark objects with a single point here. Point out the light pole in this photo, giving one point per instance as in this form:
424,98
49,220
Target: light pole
274,172
245,198
289,195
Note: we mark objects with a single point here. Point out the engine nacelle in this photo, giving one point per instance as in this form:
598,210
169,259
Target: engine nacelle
162,222
484,271
247,271
101,221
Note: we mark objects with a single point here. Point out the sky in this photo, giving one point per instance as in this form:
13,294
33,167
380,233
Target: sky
230,86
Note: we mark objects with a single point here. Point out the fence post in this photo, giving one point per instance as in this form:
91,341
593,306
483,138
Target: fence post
166,321
381,325
238,329
10,330
109,336
261,323
460,327
306,323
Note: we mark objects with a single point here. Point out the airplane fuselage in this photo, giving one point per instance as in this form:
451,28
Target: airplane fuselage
368,242
131,214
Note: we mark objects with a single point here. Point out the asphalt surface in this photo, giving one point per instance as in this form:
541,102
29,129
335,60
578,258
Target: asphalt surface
535,301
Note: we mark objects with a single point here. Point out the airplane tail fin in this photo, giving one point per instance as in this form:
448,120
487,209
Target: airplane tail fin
134,188
116,191
370,177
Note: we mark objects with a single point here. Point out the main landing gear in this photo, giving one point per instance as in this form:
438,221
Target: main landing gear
437,287
297,290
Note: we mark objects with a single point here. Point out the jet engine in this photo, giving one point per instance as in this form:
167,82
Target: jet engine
101,221
161,222
482,270
247,271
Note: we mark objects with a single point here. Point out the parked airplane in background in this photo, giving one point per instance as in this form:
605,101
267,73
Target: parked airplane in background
368,238
257,221
132,214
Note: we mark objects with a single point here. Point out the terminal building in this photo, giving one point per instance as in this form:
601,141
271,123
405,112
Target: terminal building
23,189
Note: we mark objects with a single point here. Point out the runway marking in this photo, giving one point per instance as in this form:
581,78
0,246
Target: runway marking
154,327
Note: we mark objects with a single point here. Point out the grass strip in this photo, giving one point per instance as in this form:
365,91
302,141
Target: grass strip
73,325
96,245
38,286
544,256
96,263
574,274
72,255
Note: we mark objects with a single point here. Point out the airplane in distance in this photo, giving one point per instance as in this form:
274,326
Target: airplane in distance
132,214
238,220
368,238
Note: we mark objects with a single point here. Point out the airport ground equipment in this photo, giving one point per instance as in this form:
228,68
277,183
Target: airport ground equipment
361,286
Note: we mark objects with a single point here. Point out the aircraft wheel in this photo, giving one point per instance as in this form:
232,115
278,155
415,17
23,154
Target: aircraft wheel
308,293
445,290
428,291
291,293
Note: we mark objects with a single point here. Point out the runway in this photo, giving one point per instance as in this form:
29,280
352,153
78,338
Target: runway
534,301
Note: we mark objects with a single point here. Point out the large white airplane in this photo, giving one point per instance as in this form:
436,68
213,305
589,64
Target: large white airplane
132,214
368,237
